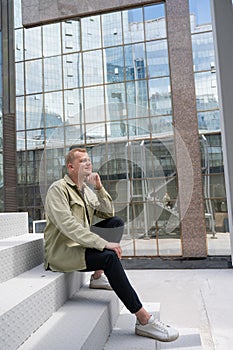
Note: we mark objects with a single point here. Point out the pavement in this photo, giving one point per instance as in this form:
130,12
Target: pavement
196,299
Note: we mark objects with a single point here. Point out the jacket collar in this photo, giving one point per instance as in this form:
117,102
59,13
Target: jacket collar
71,182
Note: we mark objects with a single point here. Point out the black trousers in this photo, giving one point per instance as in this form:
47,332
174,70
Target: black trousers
108,261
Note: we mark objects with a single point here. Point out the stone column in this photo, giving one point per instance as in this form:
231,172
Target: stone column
193,227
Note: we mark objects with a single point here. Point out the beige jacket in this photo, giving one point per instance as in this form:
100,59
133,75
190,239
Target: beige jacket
67,232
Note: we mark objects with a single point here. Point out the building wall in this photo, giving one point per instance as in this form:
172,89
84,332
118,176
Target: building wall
162,134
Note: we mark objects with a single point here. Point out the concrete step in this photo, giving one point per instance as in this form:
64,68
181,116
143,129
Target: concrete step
123,337
13,224
28,300
83,322
19,254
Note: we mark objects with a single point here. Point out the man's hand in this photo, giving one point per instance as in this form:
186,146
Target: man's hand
115,247
94,179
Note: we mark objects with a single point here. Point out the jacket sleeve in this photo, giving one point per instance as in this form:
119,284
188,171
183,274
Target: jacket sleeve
105,207
59,213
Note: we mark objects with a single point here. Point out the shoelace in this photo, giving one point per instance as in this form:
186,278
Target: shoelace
161,326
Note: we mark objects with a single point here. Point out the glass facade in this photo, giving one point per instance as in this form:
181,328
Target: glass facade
208,115
103,82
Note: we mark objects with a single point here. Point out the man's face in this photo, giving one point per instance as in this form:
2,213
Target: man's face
81,166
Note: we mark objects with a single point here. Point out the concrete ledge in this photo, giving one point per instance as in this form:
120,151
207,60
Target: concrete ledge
28,300
13,224
20,254
83,322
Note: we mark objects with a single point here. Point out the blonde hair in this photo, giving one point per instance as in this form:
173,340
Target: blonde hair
71,154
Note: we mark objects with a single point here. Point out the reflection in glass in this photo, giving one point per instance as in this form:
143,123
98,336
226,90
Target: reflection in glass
116,101
203,52
95,132
91,35
20,140
93,68
72,70
33,81
73,104
209,120
157,58
112,29
53,109
137,94
34,112
155,24
55,137
19,78
200,15
161,125
114,65
206,91
133,25
18,10
51,39
19,45
20,113
135,63
35,139
33,47
71,36
160,96
94,104
74,135
52,73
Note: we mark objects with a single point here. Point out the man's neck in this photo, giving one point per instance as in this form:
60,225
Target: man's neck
78,182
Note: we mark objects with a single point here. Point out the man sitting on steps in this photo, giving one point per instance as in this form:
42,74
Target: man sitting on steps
72,243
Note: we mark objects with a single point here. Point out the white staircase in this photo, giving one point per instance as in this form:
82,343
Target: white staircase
45,310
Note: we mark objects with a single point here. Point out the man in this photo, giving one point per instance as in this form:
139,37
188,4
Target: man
71,244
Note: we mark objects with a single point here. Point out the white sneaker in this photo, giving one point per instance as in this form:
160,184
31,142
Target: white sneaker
100,283
156,330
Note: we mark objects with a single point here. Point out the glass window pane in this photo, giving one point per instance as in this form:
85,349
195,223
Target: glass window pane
71,35
112,29
116,101
51,39
54,136
160,96
33,81
52,73
200,15
91,34
72,69
53,109
73,103
93,68
155,24
96,132
19,45
20,113
206,91
18,10
33,48
94,104
19,78
157,58
209,120
137,95
74,135
203,52
35,139
34,112
20,140
135,65
133,25
114,65
161,125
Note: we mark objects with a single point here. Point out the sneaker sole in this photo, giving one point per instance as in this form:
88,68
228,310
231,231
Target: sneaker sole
100,287
149,335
